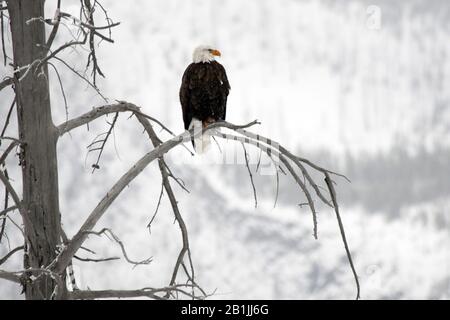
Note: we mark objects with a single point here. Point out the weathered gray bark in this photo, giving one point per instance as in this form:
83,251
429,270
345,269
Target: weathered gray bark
38,158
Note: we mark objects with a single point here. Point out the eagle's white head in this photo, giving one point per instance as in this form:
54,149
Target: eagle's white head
205,54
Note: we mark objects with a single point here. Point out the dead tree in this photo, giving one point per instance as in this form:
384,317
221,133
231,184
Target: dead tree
47,251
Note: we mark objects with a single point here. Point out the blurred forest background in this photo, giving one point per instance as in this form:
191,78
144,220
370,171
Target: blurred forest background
360,87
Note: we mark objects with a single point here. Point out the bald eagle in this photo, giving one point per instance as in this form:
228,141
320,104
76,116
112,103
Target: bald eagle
203,93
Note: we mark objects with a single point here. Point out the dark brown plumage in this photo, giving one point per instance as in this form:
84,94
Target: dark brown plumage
203,93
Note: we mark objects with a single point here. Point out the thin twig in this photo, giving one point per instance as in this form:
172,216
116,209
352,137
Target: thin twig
61,48
10,189
332,191
103,142
77,21
287,152
277,186
6,209
305,191
8,116
57,20
8,151
62,90
109,232
9,254
2,36
11,276
83,78
149,225
6,82
96,260
272,150
250,174
89,14
179,181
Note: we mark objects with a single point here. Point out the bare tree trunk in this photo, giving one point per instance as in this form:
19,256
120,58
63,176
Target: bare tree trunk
38,158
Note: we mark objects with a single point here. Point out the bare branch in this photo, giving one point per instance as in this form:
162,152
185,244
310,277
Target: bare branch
104,294
329,183
6,82
179,181
94,114
275,149
118,187
16,225
180,220
33,274
57,20
11,138
107,231
88,29
305,191
282,153
121,106
288,153
3,214
6,200
93,86
149,225
10,276
144,292
2,36
297,160
77,21
250,174
61,48
312,183
103,142
96,260
270,147
277,169
165,174
11,190
23,71
88,10
5,211
8,117
8,151
104,204
9,254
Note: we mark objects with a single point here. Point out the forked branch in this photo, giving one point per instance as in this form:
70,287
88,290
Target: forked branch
294,165
67,254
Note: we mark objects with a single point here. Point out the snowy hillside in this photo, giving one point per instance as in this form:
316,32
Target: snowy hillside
370,102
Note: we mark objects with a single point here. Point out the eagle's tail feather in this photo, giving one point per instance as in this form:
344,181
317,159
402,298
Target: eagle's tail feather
201,142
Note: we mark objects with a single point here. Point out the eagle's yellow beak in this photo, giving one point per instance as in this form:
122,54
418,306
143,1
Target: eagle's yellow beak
216,53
